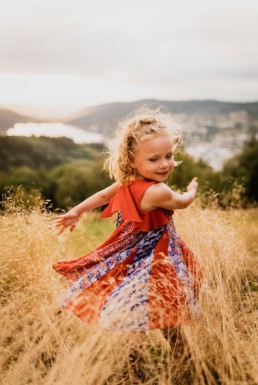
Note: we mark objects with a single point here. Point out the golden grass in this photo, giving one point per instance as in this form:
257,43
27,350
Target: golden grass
40,344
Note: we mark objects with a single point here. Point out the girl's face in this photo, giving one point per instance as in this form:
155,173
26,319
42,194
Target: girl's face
154,158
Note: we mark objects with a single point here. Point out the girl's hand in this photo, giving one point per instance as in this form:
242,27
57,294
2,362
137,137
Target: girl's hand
193,185
69,219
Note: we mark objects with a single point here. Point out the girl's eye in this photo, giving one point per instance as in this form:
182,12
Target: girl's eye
153,160
170,156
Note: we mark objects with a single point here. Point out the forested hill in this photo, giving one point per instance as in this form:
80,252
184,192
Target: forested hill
9,118
103,118
42,152
66,173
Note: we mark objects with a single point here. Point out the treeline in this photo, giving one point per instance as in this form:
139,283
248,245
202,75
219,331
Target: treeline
65,173
235,186
43,152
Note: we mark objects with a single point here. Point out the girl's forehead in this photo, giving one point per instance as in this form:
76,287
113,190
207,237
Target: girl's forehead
155,142
156,139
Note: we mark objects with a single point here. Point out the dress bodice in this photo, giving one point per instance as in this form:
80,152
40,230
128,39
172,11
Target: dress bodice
127,201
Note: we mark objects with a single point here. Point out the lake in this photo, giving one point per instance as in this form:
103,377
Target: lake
55,130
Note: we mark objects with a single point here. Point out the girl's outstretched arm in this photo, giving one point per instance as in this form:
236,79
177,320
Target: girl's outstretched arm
160,195
71,218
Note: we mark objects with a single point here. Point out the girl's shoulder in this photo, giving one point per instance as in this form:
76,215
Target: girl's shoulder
154,194
151,188
159,189
128,200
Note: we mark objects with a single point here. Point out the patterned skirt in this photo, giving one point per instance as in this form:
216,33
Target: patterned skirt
134,281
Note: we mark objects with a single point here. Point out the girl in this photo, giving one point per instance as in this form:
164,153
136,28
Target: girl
143,276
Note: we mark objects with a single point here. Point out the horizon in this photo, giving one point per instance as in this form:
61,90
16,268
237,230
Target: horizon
65,112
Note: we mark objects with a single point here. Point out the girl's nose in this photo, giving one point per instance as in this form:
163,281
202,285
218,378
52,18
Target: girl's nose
164,164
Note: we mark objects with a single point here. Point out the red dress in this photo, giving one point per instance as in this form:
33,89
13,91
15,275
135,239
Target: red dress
142,277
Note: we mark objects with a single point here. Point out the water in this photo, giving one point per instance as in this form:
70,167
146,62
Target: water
55,130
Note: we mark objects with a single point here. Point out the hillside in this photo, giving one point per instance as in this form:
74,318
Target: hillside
213,130
103,118
42,152
9,118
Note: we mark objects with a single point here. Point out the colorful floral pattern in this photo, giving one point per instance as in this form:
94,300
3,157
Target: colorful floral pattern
135,281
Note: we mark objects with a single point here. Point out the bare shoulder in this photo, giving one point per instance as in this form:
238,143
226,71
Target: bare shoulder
155,196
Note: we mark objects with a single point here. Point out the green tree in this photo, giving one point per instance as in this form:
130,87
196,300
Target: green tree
73,182
244,168
189,168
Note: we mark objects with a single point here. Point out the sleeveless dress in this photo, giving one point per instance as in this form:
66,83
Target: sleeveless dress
141,278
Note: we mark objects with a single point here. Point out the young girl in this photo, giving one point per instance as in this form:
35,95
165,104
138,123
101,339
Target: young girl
143,276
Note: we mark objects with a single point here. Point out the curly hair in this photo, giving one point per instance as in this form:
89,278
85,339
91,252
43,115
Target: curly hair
135,128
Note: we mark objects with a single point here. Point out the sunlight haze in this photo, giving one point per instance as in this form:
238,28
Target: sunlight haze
66,55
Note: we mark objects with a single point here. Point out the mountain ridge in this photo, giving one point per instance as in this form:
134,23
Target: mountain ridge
104,117
213,130
8,118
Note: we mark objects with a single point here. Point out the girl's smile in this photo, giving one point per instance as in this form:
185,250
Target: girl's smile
154,158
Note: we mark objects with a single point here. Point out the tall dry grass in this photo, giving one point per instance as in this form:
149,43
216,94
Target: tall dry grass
40,344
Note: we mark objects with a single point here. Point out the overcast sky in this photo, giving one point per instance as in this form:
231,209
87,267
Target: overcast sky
68,54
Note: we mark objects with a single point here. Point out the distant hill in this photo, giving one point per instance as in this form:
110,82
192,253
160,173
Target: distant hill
103,118
9,118
213,130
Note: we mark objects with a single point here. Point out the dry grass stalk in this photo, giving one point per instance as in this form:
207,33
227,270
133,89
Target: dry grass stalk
42,345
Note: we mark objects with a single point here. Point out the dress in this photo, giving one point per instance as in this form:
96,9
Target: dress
142,277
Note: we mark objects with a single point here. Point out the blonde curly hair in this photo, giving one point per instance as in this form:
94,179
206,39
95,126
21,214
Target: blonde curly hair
130,131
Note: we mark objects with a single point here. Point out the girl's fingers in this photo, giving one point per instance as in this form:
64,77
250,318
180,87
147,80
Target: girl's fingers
60,231
64,221
193,184
194,180
63,225
72,227
57,220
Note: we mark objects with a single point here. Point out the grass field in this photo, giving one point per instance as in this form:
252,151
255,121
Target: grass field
40,344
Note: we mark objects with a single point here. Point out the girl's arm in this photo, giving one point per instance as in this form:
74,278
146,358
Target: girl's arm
160,195
71,218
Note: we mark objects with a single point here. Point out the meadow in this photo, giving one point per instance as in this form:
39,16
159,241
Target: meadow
42,344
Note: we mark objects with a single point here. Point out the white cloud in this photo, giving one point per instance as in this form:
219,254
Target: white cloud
127,50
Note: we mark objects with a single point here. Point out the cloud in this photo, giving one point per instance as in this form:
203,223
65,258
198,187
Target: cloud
149,45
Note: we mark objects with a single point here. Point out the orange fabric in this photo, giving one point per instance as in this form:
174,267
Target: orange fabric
111,268
72,269
127,200
88,307
167,305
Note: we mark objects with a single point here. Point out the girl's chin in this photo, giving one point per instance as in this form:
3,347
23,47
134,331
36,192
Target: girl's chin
155,177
